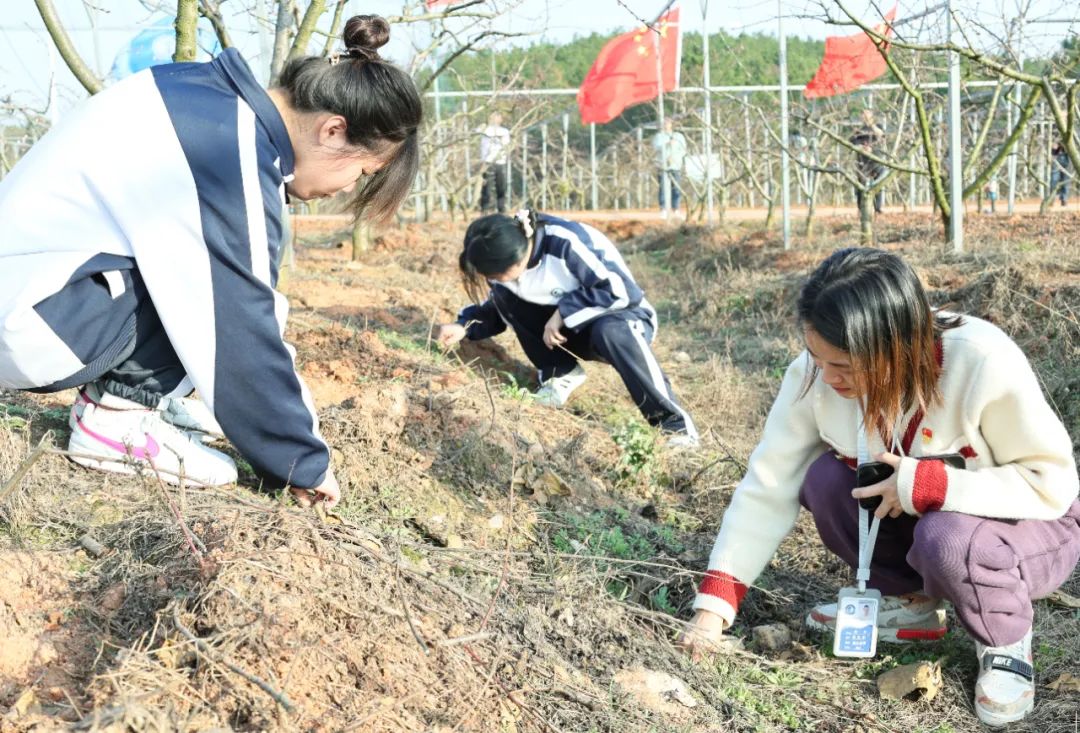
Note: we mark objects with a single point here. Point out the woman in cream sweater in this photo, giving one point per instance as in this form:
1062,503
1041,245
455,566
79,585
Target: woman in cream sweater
988,538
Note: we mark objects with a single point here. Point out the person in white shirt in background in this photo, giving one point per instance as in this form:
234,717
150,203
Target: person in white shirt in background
670,149
494,146
989,538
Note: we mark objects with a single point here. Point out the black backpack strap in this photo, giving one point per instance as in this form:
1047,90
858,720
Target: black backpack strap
1008,664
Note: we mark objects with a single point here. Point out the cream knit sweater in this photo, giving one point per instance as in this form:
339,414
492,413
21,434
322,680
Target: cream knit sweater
1020,463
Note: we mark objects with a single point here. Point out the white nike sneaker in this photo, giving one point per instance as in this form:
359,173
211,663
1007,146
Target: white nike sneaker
557,390
190,414
1005,690
901,619
183,412
114,434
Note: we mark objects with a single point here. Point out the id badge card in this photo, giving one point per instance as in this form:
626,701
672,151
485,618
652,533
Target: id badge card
856,623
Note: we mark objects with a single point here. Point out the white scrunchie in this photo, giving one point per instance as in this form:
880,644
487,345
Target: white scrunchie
523,218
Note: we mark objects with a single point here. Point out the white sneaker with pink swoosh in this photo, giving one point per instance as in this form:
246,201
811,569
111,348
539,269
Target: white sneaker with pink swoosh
118,435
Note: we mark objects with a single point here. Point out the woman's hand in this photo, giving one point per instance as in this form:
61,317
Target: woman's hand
553,330
890,496
327,492
704,635
449,334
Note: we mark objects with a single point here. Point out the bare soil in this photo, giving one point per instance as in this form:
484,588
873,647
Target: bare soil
496,566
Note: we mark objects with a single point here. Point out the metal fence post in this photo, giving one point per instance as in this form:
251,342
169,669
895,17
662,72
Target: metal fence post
544,166
524,168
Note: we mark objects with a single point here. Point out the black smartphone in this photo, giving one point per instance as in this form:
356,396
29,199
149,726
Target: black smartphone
869,474
874,471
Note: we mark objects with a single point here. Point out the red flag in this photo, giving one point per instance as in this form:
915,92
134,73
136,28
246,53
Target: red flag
850,62
436,3
624,73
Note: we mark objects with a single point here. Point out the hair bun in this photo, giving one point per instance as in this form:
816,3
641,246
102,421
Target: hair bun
368,32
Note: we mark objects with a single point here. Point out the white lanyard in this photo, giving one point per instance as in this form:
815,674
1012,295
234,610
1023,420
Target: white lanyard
868,530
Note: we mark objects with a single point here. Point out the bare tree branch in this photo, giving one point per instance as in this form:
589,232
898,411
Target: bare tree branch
335,28
63,43
211,10
315,10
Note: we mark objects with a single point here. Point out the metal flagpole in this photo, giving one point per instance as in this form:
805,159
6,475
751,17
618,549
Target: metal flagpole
592,161
956,191
708,114
785,194
1017,94
665,181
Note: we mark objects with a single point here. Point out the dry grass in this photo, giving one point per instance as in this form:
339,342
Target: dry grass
448,596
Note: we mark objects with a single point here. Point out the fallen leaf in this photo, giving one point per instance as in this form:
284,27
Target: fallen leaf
24,705
1065,683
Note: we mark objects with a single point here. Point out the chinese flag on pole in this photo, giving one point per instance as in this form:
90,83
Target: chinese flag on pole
625,72
850,62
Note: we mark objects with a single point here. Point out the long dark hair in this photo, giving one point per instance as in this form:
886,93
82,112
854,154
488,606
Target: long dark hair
379,102
493,244
871,304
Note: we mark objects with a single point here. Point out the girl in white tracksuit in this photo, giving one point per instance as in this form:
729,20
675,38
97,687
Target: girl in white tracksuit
140,246
568,296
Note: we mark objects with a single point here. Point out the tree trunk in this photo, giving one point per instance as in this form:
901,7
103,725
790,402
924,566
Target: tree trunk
282,38
307,27
71,57
186,25
866,219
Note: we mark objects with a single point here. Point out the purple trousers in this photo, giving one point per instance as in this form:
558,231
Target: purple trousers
989,569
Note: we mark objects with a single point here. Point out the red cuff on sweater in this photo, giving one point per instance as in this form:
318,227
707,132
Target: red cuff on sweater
930,485
724,587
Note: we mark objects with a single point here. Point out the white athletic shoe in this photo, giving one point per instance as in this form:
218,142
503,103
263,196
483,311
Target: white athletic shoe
557,390
190,414
901,619
185,413
683,442
1005,690
118,435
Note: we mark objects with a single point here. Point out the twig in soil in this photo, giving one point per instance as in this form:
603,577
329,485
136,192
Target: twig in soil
361,550
12,483
279,697
188,536
506,551
525,708
468,638
408,615
721,459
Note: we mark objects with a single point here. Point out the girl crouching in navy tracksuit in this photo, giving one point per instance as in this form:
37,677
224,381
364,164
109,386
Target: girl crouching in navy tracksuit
568,295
